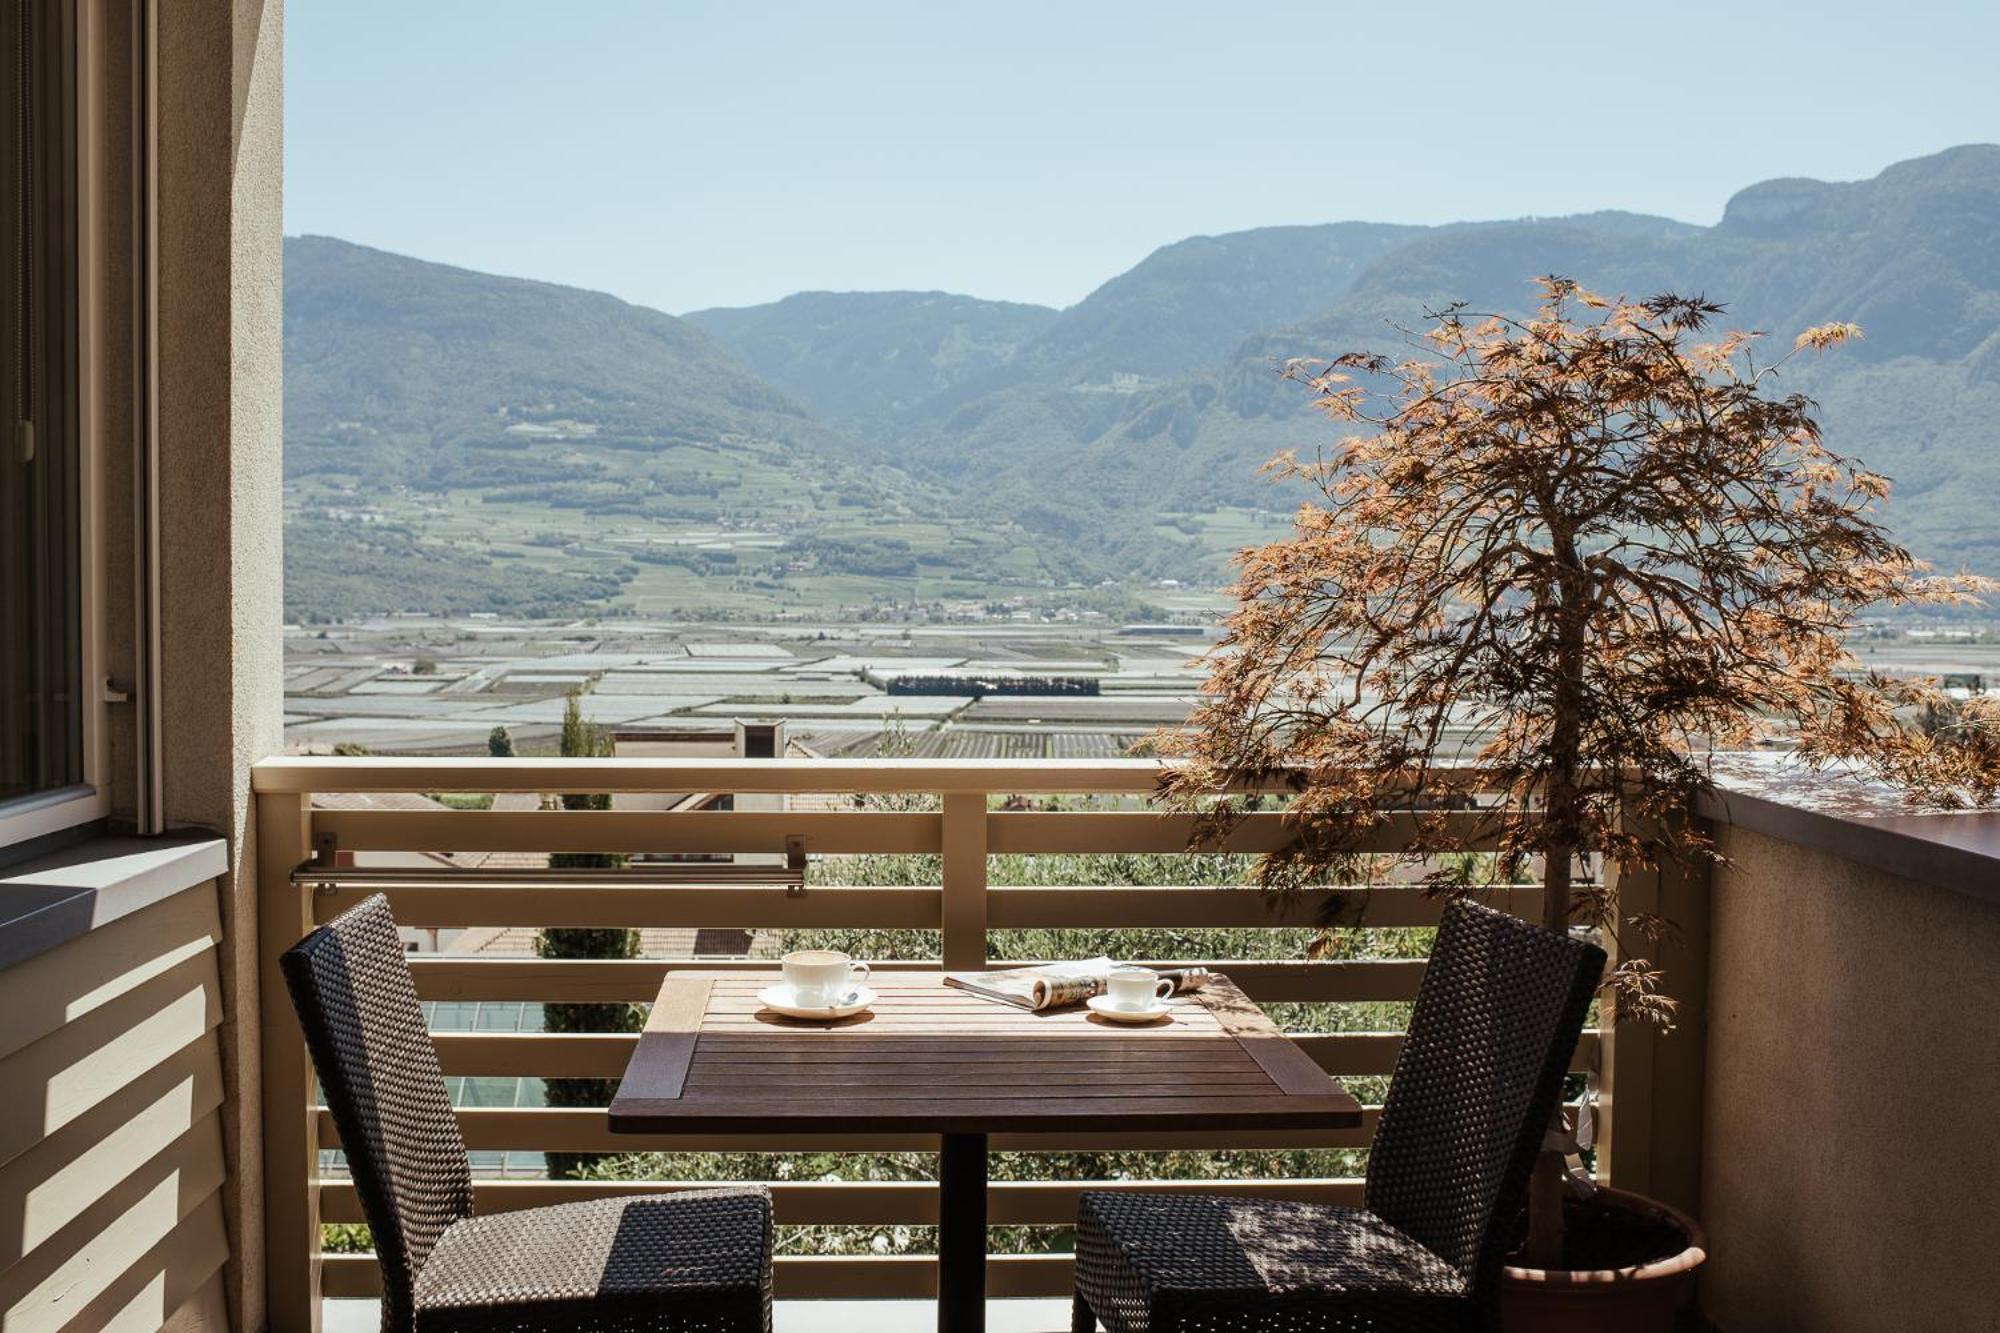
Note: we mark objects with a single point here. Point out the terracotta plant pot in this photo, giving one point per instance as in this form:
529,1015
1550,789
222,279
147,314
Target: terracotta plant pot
1645,1298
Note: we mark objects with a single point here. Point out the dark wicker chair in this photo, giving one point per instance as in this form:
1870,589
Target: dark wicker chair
697,1261
1481,1071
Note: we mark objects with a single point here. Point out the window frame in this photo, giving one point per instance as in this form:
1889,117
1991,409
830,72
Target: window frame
88,801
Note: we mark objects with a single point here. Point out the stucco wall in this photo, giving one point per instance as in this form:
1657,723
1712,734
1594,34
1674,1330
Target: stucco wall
219,373
218,295
1852,1158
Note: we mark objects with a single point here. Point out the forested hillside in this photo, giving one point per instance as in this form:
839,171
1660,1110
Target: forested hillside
868,360
419,372
1098,442
456,442
1913,256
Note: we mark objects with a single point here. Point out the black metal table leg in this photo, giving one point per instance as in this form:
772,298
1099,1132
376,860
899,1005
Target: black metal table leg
962,1234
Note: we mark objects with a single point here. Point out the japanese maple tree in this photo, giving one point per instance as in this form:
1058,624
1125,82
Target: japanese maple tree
1575,551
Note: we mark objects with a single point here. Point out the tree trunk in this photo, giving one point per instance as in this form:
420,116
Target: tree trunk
1562,833
1546,1186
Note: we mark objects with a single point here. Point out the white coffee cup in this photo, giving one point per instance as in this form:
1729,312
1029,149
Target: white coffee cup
821,976
1137,987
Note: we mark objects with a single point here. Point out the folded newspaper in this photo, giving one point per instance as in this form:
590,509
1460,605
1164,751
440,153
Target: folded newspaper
1052,985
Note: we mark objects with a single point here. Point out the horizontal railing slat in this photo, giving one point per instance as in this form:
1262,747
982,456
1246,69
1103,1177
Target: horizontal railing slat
604,1055
1268,981
583,1129
1350,1054
306,773
1135,831
836,776
766,908
449,904
1212,906
535,1055
912,1277
1348,981
448,977
870,1202
665,831
797,1277
834,832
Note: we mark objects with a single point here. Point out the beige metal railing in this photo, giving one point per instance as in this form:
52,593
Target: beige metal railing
963,831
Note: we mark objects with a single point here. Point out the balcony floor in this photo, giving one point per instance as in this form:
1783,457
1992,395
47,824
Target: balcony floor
1037,1316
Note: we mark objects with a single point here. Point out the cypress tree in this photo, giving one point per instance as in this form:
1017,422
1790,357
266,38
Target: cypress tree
583,740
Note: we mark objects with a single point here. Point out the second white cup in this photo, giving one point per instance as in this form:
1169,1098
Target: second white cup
822,976
1137,987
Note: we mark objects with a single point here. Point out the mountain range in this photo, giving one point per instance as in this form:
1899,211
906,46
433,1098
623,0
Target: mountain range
1157,396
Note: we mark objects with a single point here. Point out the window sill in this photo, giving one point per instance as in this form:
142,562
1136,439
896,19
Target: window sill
56,898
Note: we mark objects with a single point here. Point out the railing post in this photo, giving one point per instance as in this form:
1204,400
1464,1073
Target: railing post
964,908
1651,1087
291,1146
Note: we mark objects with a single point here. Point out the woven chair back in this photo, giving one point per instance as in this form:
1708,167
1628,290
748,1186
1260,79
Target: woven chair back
1480,1074
379,1074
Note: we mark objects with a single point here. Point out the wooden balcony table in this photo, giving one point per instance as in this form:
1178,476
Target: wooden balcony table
931,1059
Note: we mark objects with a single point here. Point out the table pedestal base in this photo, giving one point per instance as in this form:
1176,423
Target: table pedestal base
962,1234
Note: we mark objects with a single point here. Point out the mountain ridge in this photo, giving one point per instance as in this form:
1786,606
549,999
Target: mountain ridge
1100,433
412,350
1912,254
865,358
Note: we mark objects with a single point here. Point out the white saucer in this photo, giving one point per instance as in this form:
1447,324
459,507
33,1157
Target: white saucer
785,1000
1101,1005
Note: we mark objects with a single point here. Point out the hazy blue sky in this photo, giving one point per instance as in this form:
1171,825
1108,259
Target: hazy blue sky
684,155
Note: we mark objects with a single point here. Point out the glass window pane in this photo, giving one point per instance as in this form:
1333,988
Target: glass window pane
488,1090
499,1017
41,717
